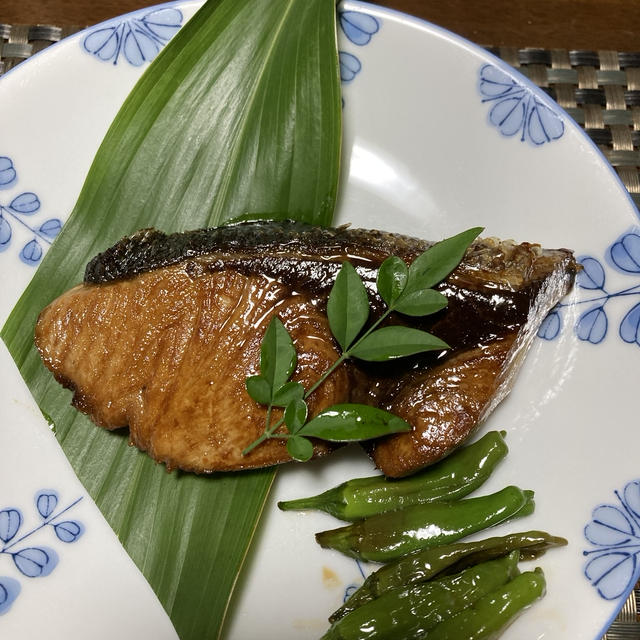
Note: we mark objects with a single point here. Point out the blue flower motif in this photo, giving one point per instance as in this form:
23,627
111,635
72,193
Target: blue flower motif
550,326
630,326
69,530
517,109
26,204
592,326
350,66
33,561
354,586
349,591
358,27
31,252
51,228
139,38
9,591
46,503
5,234
22,206
10,521
625,253
7,172
614,531
592,274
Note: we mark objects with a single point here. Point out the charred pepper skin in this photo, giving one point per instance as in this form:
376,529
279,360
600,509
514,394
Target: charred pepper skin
388,536
451,479
425,565
409,613
487,618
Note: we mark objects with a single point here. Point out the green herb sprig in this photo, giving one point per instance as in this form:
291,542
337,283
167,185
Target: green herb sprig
405,289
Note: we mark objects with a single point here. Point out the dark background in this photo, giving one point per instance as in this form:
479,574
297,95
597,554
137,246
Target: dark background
562,24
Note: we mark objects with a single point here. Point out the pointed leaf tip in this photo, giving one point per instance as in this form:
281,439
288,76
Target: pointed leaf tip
353,422
393,342
277,355
348,306
437,262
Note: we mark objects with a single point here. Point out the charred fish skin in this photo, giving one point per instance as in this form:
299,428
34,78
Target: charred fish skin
150,249
207,296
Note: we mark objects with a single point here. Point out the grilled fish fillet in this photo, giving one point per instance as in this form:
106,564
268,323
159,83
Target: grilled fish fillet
166,328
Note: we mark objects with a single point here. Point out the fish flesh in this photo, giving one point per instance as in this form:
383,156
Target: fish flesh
165,329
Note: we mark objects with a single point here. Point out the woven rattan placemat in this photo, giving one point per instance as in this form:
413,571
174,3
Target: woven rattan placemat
599,89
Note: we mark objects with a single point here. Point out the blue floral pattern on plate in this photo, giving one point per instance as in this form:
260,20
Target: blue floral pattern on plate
359,28
350,66
33,561
614,531
517,109
139,38
354,586
623,255
16,210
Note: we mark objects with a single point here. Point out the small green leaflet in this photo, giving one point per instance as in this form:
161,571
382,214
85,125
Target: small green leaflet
437,262
277,355
259,389
393,342
278,359
348,306
299,448
422,302
295,415
392,279
352,423
272,387
286,394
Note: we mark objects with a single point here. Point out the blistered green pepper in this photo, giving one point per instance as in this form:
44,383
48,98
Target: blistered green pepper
452,478
409,613
491,614
391,535
424,565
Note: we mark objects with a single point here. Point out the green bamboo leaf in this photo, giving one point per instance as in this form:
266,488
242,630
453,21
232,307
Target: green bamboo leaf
422,302
295,415
437,262
392,279
353,422
348,306
277,355
393,342
287,393
299,448
259,389
241,112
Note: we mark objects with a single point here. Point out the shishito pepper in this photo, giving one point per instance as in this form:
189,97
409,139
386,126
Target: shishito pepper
424,565
453,478
391,535
491,614
410,612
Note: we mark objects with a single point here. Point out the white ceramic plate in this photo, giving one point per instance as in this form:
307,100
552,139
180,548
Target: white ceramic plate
439,136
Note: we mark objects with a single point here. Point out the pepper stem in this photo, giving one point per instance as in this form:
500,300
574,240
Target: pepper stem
323,501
